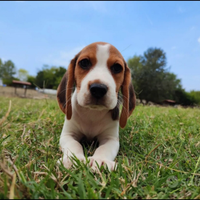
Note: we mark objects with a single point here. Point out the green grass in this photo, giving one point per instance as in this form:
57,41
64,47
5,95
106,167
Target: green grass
159,155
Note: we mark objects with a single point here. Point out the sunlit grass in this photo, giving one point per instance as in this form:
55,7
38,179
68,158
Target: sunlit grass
158,157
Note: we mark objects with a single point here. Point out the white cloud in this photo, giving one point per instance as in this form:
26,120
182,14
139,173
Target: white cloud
62,58
198,40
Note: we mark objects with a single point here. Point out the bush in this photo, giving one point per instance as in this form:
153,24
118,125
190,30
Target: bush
8,81
184,98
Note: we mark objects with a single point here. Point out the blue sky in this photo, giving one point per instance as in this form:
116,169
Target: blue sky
36,33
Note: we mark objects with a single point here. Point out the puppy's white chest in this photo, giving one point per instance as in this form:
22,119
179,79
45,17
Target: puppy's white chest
99,72
91,123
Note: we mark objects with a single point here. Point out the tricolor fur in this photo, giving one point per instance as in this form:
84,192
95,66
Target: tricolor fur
98,73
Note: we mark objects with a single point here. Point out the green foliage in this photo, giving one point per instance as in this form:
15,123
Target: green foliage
196,96
184,98
50,77
31,79
136,67
158,156
153,81
7,71
8,81
170,84
1,63
39,79
22,74
154,59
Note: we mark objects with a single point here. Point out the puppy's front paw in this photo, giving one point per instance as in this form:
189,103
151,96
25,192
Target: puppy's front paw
68,161
94,161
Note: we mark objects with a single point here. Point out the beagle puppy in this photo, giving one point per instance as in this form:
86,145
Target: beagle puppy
99,74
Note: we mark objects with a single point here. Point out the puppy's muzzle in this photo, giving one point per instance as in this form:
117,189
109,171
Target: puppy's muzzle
98,90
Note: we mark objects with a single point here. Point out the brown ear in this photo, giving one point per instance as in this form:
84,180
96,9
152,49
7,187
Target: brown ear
65,89
129,98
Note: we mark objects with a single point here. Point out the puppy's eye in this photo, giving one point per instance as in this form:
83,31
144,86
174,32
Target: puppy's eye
116,68
85,64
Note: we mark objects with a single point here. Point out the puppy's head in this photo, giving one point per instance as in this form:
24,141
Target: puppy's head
99,72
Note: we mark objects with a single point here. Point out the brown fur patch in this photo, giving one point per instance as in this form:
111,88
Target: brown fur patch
61,93
75,74
66,85
132,99
89,52
116,57
128,98
94,81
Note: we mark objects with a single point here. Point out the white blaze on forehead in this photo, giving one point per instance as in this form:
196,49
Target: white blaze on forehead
102,54
100,70
101,73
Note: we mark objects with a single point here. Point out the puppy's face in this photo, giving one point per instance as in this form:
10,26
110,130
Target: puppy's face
99,73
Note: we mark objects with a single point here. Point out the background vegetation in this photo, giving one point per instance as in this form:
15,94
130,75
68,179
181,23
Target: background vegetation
154,82
158,156
151,77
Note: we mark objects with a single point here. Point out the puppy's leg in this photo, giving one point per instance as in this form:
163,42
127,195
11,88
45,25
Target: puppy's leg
105,153
69,147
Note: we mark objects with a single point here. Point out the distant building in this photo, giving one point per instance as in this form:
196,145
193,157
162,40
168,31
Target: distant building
168,102
22,83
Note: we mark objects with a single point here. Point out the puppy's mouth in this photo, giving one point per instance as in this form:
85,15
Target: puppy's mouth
92,103
96,106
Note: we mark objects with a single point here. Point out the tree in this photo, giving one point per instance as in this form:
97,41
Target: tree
1,69
7,71
136,66
170,84
50,76
59,74
195,95
31,79
184,98
151,78
39,79
22,74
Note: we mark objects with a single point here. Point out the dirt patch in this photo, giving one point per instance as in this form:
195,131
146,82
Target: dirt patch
30,93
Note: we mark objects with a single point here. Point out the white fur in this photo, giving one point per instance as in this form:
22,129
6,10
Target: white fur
101,72
92,121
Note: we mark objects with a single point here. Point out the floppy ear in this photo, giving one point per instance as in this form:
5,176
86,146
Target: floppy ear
129,98
65,89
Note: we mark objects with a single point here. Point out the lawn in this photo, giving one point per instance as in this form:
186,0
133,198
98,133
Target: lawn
159,155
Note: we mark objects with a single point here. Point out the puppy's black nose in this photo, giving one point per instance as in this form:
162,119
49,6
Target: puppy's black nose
98,90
